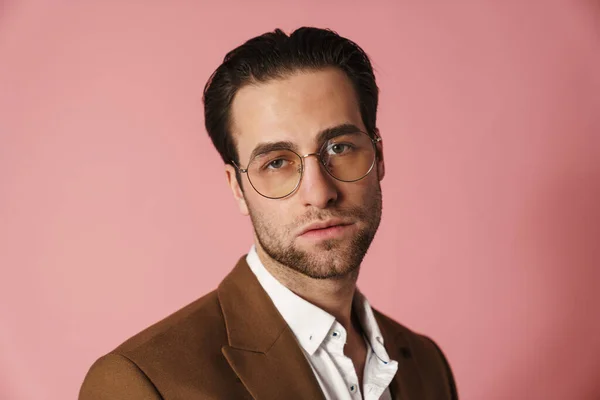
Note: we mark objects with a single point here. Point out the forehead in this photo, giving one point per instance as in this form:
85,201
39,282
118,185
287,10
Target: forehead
295,108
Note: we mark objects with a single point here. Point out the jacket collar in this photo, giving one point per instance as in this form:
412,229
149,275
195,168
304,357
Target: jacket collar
252,321
262,349
264,353
408,383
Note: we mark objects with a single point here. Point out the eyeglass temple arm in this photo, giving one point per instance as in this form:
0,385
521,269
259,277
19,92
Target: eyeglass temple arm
242,170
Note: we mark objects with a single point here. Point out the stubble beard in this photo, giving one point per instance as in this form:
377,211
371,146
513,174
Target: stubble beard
335,258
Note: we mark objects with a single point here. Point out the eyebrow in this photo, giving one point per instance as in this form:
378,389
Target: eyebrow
323,136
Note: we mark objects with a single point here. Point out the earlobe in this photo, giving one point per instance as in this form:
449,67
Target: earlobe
242,204
380,162
236,190
380,170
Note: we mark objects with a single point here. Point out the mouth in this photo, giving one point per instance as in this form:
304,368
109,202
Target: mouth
326,230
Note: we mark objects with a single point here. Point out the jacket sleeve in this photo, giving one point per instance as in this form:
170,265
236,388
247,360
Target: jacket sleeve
116,377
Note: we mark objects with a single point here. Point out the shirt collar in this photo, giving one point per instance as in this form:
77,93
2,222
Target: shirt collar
369,325
309,323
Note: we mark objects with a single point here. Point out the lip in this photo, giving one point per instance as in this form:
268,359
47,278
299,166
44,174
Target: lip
315,226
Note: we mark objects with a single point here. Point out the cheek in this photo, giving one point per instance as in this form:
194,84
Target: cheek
358,193
274,215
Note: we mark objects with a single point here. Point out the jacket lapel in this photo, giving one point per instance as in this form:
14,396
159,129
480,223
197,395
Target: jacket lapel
407,383
262,350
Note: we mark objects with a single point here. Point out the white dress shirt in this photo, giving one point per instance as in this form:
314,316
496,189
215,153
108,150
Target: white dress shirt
322,339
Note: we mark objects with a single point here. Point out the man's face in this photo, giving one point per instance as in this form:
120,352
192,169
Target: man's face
296,109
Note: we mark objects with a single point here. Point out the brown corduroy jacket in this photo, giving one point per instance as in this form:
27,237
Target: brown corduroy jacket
233,344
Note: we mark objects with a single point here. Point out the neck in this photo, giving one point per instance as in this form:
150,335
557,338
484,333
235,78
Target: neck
332,295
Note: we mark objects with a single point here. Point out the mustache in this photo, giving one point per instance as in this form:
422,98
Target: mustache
352,213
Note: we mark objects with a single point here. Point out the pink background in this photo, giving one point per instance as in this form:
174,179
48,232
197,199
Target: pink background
114,210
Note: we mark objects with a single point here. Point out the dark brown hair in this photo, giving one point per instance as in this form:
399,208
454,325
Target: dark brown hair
275,55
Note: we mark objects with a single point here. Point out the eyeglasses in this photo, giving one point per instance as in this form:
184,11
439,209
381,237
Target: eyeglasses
277,173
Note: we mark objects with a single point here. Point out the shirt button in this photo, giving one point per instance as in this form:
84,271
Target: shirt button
353,388
335,334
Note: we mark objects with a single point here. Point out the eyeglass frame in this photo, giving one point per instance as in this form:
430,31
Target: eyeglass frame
374,141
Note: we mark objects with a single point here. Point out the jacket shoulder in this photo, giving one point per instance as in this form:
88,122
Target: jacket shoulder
113,377
179,356
201,319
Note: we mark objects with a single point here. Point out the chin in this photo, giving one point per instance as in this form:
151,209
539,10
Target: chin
330,270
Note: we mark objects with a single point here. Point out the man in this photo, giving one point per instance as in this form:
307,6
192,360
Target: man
294,119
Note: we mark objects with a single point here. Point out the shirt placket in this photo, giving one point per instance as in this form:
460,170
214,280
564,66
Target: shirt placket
335,345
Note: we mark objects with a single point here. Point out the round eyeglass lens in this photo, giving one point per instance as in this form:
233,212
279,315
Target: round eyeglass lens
276,173
349,157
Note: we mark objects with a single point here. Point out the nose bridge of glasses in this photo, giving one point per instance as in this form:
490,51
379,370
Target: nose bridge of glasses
317,155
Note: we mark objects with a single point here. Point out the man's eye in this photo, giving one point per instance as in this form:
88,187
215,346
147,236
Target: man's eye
276,164
339,148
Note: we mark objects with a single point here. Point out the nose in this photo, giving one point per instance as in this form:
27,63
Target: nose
317,187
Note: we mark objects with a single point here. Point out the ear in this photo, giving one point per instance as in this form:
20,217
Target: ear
380,162
238,194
